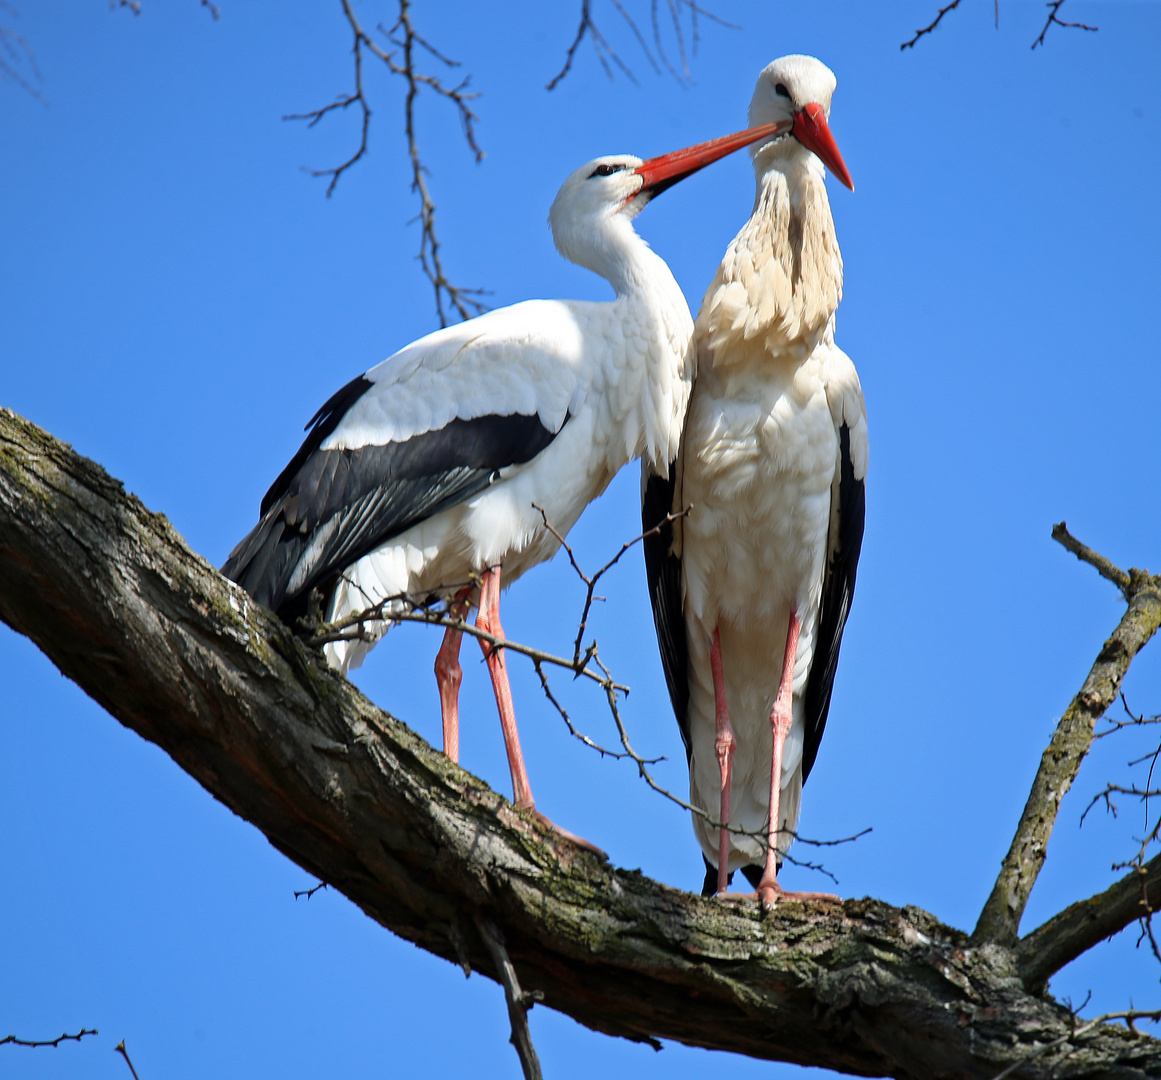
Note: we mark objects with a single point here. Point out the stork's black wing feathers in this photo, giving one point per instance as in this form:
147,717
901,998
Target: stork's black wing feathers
838,587
663,570
328,508
319,427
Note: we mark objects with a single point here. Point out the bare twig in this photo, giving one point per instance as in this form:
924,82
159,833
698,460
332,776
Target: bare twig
607,55
584,27
14,1041
930,27
352,629
308,893
605,52
464,301
1000,919
519,1001
591,582
1054,7
604,751
120,1048
401,61
1133,720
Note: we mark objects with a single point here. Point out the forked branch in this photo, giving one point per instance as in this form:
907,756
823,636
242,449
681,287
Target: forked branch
1084,924
1053,19
1054,7
402,61
662,13
1000,919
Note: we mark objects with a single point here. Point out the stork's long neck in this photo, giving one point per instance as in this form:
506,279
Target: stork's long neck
781,279
651,358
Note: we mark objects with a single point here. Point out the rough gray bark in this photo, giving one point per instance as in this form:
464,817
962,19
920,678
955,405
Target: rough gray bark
177,653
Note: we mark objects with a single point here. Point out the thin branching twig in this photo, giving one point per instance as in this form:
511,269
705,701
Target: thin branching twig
12,1040
591,582
930,27
1143,792
308,893
401,61
608,57
1054,7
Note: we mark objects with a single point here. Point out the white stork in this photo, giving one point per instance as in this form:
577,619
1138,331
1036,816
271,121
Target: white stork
418,479
751,590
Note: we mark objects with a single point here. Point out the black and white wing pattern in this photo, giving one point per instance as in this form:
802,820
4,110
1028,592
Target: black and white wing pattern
660,497
427,429
838,588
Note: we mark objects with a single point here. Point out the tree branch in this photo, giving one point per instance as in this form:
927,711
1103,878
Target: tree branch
464,301
608,56
1082,925
1000,918
1098,562
1054,7
12,1040
518,1001
930,27
183,657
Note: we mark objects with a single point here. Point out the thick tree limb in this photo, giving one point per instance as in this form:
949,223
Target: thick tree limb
182,656
1000,918
1082,925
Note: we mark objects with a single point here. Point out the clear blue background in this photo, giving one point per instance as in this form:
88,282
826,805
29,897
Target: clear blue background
179,296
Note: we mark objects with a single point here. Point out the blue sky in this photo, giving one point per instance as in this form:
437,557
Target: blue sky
179,297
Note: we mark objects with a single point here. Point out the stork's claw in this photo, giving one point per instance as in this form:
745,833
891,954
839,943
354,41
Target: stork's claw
580,841
770,893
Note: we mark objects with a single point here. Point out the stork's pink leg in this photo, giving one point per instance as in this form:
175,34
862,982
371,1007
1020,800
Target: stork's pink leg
488,620
449,675
769,891
724,743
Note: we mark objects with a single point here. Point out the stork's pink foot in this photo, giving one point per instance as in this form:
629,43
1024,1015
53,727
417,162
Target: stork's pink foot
770,893
580,841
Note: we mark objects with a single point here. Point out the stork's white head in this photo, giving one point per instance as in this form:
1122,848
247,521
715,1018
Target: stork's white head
798,89
592,214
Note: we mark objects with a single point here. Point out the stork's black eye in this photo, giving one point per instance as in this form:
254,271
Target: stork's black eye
781,90
606,170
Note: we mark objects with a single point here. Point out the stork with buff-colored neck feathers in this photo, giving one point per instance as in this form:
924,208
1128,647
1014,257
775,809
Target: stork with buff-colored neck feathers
423,478
751,589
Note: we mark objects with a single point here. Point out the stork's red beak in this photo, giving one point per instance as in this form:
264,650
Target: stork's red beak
661,172
812,130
